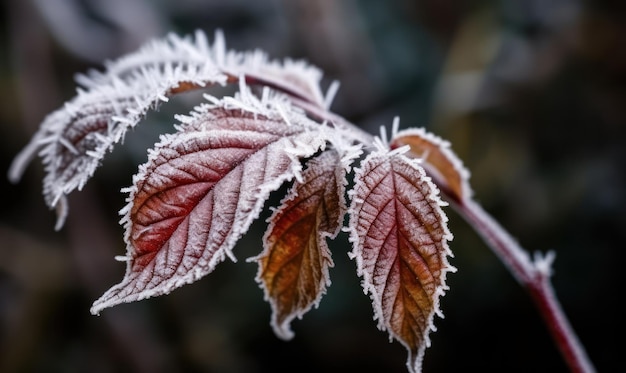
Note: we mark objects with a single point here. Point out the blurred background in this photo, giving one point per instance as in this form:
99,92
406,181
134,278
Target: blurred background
531,94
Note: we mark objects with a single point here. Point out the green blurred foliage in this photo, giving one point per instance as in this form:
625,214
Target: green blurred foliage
531,94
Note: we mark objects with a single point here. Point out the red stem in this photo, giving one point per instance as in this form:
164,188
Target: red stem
535,276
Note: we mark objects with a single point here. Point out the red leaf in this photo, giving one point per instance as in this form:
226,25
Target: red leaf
293,268
400,239
201,189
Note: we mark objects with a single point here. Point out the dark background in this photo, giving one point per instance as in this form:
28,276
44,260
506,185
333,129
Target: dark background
531,94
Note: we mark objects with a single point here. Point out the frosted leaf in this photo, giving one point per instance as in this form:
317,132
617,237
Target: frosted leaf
296,77
400,236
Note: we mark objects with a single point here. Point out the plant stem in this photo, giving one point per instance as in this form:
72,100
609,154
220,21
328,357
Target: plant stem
535,276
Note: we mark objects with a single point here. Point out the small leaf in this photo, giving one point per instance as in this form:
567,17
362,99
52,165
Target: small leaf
293,268
400,239
201,189
440,162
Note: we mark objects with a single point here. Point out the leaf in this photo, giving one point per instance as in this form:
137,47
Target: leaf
440,162
400,236
74,139
201,189
295,77
293,268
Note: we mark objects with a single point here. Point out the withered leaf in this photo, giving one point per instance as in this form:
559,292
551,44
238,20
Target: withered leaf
293,268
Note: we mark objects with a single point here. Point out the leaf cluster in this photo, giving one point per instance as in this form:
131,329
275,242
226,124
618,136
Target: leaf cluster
203,185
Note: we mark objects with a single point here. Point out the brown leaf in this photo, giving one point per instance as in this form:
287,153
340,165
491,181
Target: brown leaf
440,162
400,239
293,268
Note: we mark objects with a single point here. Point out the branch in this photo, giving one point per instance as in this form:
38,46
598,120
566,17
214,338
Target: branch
534,275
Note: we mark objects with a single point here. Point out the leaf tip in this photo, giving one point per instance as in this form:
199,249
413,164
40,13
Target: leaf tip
62,209
283,329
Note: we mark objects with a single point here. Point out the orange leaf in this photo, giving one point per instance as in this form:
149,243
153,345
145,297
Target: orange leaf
441,163
293,268
400,239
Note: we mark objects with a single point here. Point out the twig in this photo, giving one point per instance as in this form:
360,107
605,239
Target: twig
535,276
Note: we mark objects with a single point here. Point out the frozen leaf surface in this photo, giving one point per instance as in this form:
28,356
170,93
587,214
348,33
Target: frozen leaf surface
400,239
439,160
293,268
201,189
